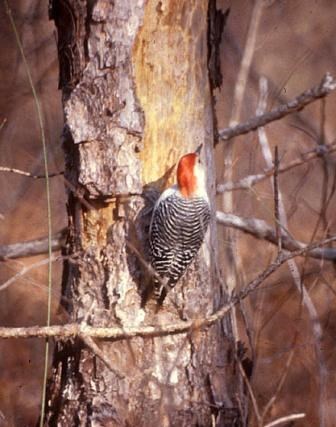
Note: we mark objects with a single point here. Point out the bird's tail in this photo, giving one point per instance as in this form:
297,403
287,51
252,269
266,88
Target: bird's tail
159,290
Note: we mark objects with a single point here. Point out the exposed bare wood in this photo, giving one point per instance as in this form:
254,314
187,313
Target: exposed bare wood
127,124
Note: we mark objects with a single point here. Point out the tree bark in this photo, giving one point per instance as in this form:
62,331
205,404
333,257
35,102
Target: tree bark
136,97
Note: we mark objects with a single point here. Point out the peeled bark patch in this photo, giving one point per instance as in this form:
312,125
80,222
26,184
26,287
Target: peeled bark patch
170,60
136,97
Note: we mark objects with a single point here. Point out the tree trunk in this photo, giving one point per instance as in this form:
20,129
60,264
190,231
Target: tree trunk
136,97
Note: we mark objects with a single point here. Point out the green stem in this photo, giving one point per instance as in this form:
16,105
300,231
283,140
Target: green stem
44,147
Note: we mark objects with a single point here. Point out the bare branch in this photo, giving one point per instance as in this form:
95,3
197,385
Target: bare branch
32,247
28,268
2,124
306,300
230,253
282,379
40,246
246,61
250,392
285,419
276,199
254,226
248,181
327,85
24,173
117,333
281,259
261,230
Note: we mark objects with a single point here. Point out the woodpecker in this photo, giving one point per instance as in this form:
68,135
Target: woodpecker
179,222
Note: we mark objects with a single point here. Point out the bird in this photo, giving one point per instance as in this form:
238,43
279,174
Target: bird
179,223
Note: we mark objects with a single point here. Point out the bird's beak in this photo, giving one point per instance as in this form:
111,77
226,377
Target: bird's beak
199,149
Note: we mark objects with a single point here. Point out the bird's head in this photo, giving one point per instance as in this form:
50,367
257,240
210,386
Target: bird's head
191,175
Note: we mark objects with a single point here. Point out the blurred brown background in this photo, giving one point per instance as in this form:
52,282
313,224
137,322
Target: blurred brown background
23,204
295,47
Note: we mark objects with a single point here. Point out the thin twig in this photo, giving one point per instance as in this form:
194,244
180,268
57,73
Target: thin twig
276,199
32,247
127,332
30,175
281,259
254,226
234,270
285,419
322,218
250,392
261,230
101,354
307,302
283,377
247,182
246,61
327,85
48,199
4,121
25,270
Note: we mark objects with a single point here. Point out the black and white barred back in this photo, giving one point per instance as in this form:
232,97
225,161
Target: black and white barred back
177,232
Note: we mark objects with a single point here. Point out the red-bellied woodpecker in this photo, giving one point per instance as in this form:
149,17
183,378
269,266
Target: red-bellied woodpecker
179,222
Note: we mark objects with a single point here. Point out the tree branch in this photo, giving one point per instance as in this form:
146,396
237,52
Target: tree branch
24,173
248,181
83,330
2,124
285,419
253,226
32,247
261,230
327,85
276,199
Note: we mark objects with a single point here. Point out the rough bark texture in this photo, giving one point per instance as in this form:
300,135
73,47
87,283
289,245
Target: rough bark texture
136,97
